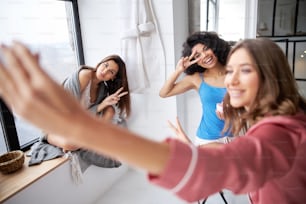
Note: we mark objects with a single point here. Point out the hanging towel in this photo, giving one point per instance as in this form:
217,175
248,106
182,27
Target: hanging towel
141,45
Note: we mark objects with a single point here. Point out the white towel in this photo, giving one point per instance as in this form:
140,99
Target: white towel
141,45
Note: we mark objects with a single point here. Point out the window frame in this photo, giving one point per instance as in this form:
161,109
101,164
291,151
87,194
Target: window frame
6,116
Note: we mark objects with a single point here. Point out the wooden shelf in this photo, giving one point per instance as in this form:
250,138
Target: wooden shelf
10,184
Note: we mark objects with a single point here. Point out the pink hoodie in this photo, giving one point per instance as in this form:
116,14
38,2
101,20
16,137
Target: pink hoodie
269,163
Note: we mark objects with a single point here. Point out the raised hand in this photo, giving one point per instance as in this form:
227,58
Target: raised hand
115,97
178,130
112,99
31,93
185,62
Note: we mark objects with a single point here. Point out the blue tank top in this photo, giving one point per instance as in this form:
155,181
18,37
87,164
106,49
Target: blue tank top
211,126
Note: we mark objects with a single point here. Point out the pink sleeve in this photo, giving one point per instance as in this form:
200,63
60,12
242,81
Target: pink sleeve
177,166
241,166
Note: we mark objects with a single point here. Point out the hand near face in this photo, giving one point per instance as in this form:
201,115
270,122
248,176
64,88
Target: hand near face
31,93
185,62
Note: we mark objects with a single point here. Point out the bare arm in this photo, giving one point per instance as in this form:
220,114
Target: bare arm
33,95
172,86
108,114
61,142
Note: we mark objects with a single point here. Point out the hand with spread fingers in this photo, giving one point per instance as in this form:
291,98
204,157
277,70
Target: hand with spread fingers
186,62
178,130
112,99
31,93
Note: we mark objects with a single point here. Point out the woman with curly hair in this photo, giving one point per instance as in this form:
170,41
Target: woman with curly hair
203,61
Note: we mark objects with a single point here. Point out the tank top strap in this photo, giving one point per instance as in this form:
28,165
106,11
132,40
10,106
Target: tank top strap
202,76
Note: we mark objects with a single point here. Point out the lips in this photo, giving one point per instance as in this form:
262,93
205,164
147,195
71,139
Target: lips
208,61
235,93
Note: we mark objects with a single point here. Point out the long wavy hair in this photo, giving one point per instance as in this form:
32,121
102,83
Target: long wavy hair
212,41
119,81
277,93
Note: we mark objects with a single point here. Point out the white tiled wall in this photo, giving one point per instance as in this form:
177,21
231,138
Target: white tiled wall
100,26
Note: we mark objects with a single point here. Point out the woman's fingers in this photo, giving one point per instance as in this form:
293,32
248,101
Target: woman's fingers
173,127
179,130
13,77
118,91
192,55
178,124
117,95
191,58
194,61
30,92
123,94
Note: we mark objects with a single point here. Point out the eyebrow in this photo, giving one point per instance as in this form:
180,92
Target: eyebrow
240,64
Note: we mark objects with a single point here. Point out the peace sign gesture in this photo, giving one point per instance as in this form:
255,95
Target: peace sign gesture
186,62
112,99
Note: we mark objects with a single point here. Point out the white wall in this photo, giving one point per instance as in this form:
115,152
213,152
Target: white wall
100,26
58,187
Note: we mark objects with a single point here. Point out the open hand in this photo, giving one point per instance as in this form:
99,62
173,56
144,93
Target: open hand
178,130
31,93
186,62
115,97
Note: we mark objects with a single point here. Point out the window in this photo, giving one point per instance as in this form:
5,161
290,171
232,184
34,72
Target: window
219,16
209,15
2,142
279,18
48,27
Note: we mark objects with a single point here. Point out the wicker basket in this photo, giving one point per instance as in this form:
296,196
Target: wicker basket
11,161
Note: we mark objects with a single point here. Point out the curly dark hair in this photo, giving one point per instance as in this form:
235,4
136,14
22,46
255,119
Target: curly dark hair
211,40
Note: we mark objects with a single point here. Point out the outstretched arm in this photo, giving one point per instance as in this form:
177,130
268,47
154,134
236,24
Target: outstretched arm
33,95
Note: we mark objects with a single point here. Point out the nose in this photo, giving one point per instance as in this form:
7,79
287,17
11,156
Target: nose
233,79
105,69
203,54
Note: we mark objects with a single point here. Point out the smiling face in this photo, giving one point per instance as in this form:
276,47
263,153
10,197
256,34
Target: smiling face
241,80
206,56
107,70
